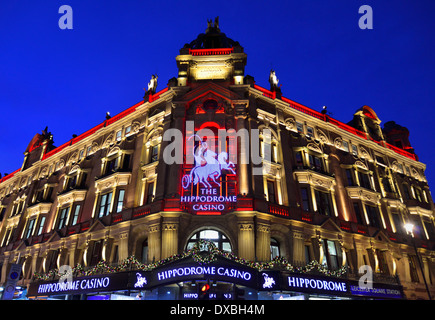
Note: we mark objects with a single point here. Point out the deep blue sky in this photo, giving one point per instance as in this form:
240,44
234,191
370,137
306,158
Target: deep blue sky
68,79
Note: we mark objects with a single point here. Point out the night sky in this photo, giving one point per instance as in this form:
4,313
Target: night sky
68,79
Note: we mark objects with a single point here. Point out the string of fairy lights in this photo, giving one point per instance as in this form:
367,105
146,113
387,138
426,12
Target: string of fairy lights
203,252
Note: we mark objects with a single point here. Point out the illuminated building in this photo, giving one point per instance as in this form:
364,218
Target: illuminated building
327,191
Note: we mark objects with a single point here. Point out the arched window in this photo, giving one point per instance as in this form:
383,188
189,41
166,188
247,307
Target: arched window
274,248
220,240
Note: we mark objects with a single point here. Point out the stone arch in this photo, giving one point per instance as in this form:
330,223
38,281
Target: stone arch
216,227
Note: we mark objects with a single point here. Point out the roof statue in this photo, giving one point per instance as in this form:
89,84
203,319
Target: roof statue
152,86
273,80
212,38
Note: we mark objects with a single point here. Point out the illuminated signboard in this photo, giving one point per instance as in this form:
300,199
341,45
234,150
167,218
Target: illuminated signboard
80,285
387,292
314,284
187,269
209,187
269,280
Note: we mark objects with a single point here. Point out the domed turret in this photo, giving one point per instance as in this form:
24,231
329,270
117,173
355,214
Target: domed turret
213,38
211,56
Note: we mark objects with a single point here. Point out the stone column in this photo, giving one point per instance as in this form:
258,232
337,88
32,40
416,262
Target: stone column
298,247
246,238
169,236
154,242
123,246
263,241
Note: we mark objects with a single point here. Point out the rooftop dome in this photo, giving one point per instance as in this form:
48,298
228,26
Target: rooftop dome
213,38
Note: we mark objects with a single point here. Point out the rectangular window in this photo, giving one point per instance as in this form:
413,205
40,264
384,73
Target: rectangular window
307,254
331,254
118,135
71,182
150,193
316,163
299,159
398,223
364,180
382,262
430,229
387,185
310,131
357,210
349,176
6,237
112,165
76,212
299,127
346,146
105,202
271,191
126,162
81,154
306,204
120,202
29,230
373,215
2,213
354,150
154,153
41,225
63,217
406,192
323,203
127,130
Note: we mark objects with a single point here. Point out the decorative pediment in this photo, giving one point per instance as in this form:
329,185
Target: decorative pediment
322,136
361,165
364,153
98,225
314,147
330,225
210,88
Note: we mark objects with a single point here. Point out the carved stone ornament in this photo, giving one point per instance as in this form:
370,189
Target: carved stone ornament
94,147
338,143
364,153
108,141
290,124
322,136
314,147
74,157
361,165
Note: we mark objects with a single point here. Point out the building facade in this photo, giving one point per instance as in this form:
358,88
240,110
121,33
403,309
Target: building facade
284,183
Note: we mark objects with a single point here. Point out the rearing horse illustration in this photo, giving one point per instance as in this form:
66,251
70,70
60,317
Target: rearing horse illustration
207,166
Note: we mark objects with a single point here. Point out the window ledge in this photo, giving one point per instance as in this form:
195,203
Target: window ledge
315,178
114,180
71,196
363,194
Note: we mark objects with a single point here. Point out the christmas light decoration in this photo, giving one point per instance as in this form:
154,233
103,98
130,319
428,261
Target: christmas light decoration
203,252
